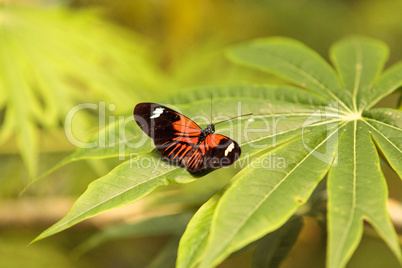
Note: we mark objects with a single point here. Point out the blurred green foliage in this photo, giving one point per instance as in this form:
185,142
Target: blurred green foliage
181,29
51,59
124,52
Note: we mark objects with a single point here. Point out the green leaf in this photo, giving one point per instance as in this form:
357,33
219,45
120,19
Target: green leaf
359,61
356,192
131,180
267,192
124,185
295,62
385,126
273,248
194,239
386,84
157,226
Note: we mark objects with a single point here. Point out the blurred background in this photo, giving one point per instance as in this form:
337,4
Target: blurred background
57,54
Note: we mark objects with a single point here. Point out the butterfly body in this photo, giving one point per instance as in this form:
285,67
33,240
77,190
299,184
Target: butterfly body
181,140
205,132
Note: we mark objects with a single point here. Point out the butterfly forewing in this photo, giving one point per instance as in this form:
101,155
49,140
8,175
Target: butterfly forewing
174,134
164,124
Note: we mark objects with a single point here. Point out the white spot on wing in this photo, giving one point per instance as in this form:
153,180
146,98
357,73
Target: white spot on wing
157,112
229,149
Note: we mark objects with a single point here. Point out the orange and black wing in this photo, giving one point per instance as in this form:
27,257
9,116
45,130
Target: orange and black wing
215,151
175,135
177,138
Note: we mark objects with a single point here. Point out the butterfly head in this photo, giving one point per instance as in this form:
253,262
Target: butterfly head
210,129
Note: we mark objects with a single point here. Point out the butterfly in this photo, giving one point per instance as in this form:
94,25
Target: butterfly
180,140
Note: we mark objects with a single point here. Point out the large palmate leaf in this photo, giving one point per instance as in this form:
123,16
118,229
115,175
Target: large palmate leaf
51,60
376,215
118,187
296,136
130,136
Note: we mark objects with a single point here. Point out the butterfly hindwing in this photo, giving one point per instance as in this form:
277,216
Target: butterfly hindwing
215,151
223,152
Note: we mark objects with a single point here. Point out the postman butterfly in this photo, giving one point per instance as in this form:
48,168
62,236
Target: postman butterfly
181,140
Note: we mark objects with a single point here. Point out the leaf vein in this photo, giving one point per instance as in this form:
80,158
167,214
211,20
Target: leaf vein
383,123
353,207
396,147
358,73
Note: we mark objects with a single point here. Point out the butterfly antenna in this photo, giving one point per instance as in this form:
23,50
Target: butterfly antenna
234,118
211,108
